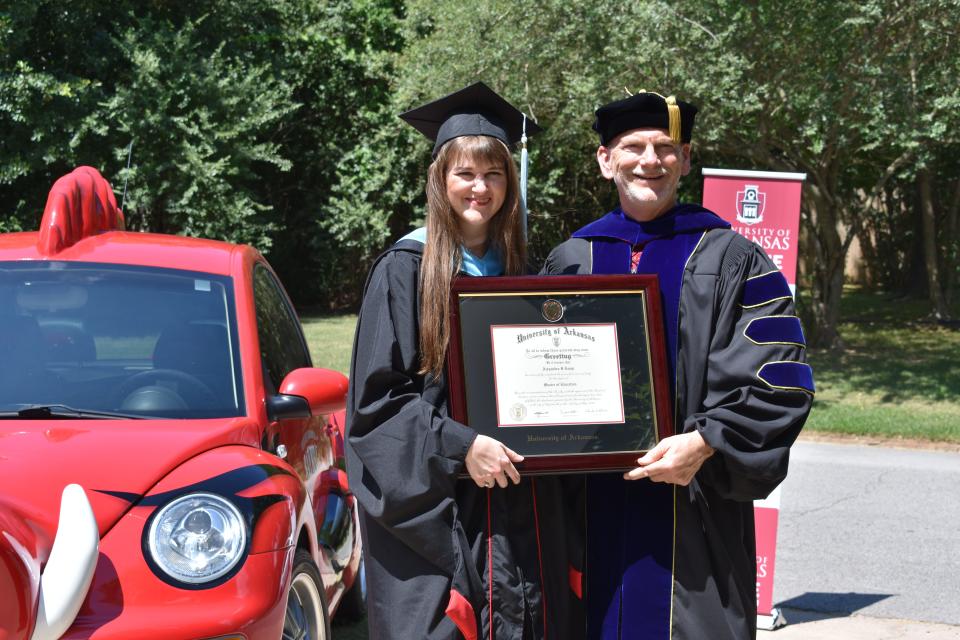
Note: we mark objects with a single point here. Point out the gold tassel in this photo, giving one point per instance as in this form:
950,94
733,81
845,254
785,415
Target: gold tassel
673,112
673,115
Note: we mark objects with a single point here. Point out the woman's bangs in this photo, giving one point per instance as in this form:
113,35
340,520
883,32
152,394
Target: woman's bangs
480,149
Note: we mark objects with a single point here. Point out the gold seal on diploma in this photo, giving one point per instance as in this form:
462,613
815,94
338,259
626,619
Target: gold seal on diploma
552,310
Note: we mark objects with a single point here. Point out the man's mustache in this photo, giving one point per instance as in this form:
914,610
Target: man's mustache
641,174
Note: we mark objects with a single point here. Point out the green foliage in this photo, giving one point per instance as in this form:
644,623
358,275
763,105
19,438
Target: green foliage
805,86
275,123
340,62
198,120
239,113
48,85
367,181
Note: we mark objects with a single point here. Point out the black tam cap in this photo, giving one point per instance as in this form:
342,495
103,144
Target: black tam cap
476,110
645,109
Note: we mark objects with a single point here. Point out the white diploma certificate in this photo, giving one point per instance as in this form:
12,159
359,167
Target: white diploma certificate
557,374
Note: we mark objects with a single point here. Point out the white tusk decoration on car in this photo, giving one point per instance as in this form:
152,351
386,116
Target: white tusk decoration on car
69,571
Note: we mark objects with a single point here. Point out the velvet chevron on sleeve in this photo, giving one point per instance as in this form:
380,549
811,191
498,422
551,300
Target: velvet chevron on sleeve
752,401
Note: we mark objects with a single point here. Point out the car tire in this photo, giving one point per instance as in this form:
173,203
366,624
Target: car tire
307,616
353,606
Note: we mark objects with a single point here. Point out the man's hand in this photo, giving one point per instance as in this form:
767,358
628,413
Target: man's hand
490,461
674,460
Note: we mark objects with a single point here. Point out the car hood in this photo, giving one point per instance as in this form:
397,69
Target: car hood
110,459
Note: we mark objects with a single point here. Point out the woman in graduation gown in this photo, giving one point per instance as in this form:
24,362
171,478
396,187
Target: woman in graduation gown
486,557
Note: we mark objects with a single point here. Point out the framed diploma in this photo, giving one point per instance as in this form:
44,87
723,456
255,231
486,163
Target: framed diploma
569,371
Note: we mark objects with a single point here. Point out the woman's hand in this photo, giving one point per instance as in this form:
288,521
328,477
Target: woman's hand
490,461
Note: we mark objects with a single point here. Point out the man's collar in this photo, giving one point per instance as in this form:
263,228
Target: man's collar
683,218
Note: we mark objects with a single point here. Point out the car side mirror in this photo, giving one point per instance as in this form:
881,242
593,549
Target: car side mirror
309,391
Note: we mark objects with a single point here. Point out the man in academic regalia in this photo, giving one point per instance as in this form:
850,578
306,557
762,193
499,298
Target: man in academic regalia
671,549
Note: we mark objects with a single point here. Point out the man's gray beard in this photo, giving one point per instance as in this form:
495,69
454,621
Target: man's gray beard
635,191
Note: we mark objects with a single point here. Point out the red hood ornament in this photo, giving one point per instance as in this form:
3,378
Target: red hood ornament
80,204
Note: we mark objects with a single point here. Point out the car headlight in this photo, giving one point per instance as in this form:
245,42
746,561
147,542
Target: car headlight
197,538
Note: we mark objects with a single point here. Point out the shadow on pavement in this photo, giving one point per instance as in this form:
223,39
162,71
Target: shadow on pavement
835,605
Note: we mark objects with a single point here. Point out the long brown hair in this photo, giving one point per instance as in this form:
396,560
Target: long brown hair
441,255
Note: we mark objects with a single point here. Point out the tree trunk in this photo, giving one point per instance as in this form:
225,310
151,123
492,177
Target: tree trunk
914,284
871,272
952,264
826,270
930,253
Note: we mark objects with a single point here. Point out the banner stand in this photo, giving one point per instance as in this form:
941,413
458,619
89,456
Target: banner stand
764,207
773,621
766,514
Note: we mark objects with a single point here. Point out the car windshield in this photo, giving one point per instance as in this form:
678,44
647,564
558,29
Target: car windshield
81,339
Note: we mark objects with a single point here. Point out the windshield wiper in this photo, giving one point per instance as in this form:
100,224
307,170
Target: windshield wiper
62,411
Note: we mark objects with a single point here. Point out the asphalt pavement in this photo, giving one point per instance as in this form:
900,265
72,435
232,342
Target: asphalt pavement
806,625
869,544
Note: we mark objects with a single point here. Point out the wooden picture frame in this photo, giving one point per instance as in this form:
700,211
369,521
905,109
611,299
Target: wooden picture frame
569,371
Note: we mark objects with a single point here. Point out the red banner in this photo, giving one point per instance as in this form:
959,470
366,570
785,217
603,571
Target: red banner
763,206
765,514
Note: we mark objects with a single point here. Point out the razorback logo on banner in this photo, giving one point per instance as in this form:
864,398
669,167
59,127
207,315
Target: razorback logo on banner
750,203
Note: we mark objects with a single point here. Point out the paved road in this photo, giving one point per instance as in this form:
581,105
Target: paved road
871,531
805,625
869,545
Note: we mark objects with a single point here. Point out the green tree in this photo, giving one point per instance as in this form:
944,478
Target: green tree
50,83
239,113
537,57
805,86
275,123
200,122
339,59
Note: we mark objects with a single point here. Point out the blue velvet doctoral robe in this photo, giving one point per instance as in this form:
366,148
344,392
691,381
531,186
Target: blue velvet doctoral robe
666,562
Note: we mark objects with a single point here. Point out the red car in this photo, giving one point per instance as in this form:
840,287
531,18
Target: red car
171,463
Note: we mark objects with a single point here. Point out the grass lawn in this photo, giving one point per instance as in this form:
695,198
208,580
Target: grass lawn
899,377
330,338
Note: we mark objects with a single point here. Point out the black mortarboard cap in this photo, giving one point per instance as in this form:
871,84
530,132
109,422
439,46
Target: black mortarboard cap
476,110
645,109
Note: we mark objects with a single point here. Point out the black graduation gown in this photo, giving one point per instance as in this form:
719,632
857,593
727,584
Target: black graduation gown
444,558
679,562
